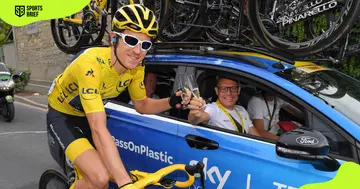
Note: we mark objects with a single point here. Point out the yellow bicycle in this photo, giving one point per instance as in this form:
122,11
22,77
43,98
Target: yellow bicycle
141,179
87,27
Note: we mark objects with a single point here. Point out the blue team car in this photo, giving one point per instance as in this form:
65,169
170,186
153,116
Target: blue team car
329,100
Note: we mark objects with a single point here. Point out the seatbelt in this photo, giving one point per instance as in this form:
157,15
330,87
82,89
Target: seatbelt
238,125
233,121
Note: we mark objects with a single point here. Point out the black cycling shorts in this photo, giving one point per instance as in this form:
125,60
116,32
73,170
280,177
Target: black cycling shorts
73,133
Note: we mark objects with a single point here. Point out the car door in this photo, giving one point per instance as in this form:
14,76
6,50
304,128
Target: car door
235,160
145,142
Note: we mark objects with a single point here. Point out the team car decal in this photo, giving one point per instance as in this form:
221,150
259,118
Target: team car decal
217,176
144,150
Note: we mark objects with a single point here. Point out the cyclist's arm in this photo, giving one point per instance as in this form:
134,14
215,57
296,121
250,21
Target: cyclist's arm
95,113
141,102
151,106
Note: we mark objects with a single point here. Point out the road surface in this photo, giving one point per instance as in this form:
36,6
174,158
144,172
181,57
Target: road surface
24,151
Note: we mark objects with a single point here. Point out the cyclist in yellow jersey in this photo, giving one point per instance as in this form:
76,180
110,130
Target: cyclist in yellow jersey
76,116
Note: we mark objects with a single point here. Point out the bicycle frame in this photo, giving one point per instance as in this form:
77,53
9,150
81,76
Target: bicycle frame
144,179
100,5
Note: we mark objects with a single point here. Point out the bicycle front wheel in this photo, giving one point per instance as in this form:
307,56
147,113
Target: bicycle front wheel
182,20
289,18
52,179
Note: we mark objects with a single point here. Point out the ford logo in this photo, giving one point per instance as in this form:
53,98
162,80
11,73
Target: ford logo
307,140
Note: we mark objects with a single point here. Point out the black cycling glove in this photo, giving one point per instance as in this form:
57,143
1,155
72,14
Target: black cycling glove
174,100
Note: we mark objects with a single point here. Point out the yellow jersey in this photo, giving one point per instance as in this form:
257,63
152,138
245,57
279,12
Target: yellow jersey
89,79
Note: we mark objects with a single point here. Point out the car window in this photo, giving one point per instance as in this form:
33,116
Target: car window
339,145
207,81
3,68
160,78
340,91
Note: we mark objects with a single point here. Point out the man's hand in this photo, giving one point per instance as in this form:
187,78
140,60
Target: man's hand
197,113
196,107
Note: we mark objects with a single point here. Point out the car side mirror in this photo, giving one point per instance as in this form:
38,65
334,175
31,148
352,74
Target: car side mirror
309,145
16,76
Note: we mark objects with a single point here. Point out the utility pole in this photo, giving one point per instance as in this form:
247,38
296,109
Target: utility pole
16,48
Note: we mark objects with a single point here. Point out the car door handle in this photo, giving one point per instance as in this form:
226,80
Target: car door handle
201,143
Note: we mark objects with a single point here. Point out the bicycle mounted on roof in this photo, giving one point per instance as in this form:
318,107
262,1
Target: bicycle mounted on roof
268,22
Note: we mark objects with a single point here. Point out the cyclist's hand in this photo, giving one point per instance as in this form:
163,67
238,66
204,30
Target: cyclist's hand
180,98
129,185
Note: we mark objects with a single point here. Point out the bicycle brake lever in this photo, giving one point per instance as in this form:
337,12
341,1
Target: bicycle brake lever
202,179
198,169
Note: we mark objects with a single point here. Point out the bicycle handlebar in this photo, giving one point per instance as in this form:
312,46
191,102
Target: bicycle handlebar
144,179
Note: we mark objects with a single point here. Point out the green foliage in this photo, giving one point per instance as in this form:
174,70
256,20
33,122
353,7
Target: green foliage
298,32
351,64
4,28
23,81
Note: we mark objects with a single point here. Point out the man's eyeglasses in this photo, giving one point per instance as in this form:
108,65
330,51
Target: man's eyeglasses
226,89
132,41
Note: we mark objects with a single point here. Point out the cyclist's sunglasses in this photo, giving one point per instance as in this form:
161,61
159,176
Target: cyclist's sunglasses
132,41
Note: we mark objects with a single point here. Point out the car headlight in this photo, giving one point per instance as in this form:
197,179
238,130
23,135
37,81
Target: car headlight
7,85
11,84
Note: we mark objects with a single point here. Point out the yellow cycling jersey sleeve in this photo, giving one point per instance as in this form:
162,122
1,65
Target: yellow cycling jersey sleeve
89,80
137,88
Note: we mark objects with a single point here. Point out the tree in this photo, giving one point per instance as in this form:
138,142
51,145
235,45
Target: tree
4,28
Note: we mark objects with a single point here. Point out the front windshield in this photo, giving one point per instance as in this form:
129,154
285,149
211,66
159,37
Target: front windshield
336,89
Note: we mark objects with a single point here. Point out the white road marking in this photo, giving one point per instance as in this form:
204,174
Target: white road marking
22,132
31,106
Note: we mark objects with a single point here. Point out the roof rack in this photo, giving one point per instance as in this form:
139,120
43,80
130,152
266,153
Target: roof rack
213,46
322,60
212,53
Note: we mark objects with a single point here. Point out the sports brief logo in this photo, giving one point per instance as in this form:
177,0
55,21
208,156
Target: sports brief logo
19,10
30,10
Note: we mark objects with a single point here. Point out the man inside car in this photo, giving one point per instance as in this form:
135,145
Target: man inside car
222,113
150,82
264,110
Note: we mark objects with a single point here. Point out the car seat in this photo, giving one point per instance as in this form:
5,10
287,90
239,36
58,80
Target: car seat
246,93
207,84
